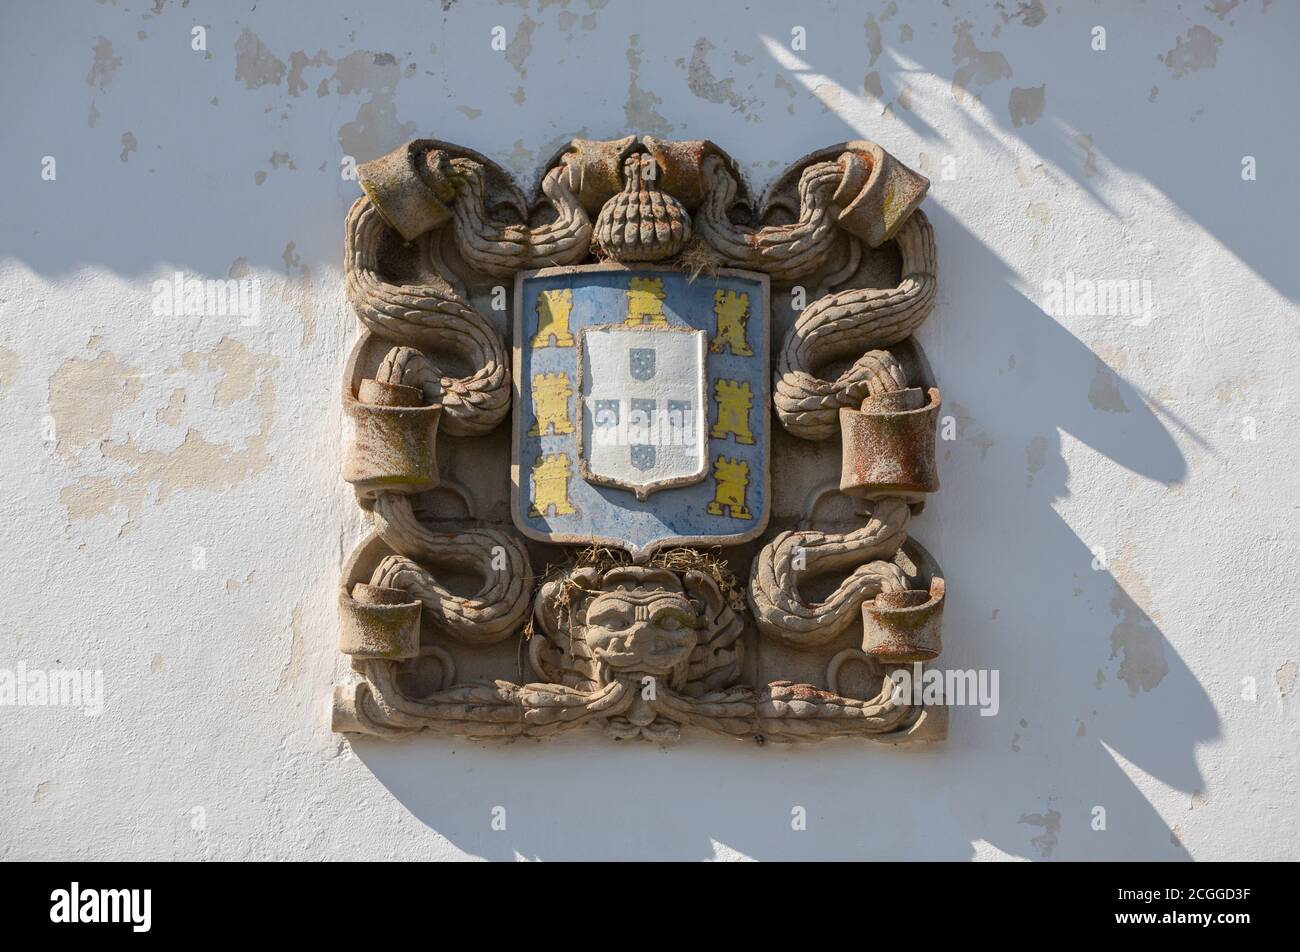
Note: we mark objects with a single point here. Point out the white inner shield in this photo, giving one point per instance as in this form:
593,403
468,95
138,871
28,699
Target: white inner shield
643,412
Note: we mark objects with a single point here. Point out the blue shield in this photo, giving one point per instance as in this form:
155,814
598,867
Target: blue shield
641,412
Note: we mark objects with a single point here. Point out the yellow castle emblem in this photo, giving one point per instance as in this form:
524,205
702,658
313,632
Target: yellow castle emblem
553,310
551,486
645,303
731,313
551,394
731,477
733,399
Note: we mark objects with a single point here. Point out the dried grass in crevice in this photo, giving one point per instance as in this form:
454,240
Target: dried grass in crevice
604,558
698,257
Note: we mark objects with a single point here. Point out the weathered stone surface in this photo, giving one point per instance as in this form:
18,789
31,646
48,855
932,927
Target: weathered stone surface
888,445
409,187
627,622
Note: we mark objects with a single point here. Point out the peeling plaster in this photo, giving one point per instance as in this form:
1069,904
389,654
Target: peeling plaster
1035,457
376,128
1221,8
104,66
1029,13
170,415
639,110
701,81
298,63
237,371
1026,105
873,87
970,432
1089,154
975,67
521,46
8,368
1136,639
86,396
1027,177
784,84
255,65
1286,678
1198,48
874,40
1051,825
292,669
1103,393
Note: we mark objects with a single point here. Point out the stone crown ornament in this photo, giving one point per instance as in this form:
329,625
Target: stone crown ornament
697,381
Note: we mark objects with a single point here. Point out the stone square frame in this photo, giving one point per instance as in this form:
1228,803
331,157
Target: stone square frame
455,624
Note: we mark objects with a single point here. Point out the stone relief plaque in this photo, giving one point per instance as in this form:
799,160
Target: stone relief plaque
720,428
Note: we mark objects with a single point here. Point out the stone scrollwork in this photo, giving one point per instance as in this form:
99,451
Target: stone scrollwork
460,620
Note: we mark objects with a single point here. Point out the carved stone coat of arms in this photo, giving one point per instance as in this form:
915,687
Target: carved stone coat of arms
645,381
681,500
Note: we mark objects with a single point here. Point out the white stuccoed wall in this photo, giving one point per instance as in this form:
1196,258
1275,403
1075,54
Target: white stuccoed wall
1120,688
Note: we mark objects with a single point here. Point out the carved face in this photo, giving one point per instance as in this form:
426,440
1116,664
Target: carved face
643,632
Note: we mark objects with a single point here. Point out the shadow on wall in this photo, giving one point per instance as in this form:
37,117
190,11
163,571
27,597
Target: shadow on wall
1074,642
612,800
1070,628
1128,110
1050,635
1073,645
378,98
